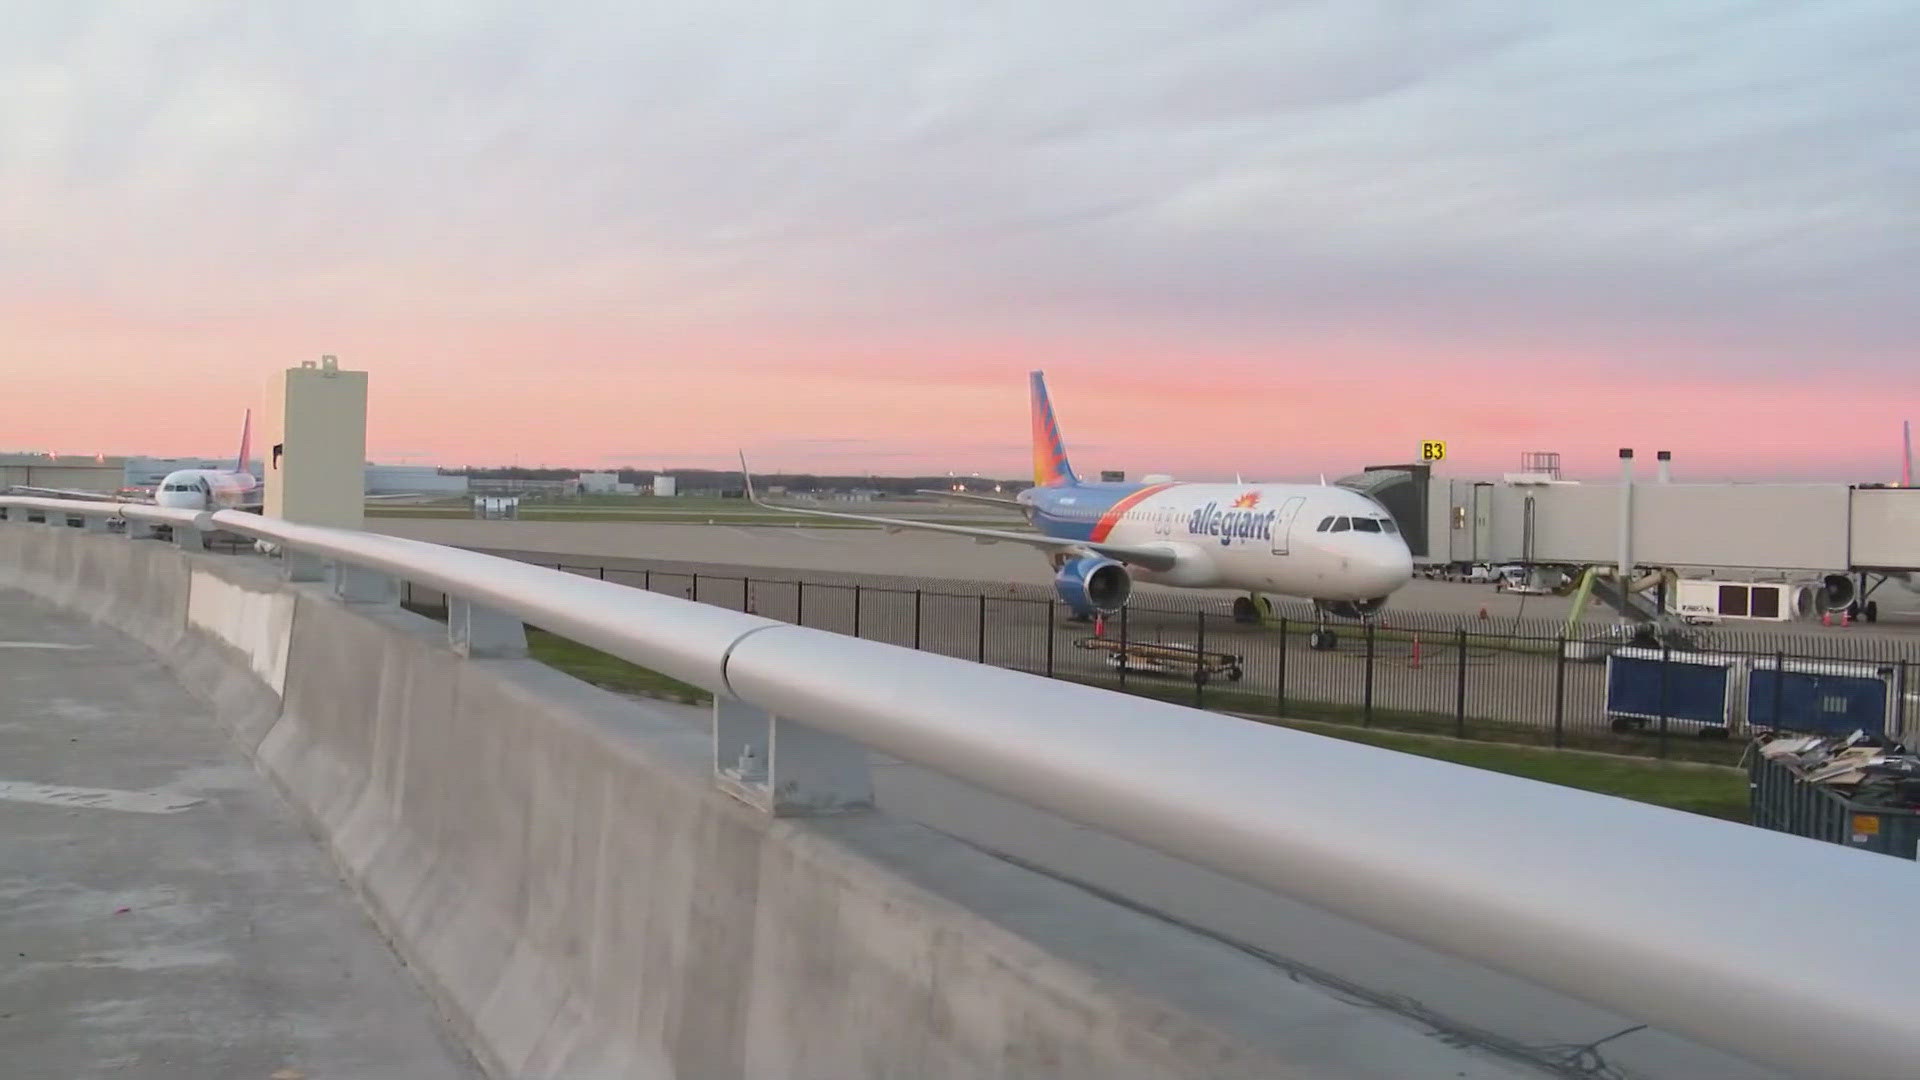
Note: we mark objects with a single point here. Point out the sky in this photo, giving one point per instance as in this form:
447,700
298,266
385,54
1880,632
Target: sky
1271,238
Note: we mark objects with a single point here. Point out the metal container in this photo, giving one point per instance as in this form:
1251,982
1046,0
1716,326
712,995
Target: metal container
1779,799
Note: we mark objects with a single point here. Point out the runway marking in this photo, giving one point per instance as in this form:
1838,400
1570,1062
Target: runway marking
132,802
40,645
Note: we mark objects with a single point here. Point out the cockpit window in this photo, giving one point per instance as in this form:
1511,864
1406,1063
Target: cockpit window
1365,524
1341,525
1388,526
1325,524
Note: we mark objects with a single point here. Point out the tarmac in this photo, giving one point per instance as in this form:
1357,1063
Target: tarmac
163,912
931,556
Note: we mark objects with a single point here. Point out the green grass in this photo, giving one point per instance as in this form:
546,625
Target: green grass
1699,778
1705,784
1714,791
1681,746
1701,789
609,672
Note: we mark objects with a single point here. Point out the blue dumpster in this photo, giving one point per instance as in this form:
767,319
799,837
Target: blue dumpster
1821,697
1646,687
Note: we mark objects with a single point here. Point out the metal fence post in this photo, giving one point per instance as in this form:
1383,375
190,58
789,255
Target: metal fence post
1460,684
856,611
1779,675
1123,646
693,592
1200,668
746,595
646,579
1280,679
980,652
799,603
1560,695
603,571
916,618
1049,639
1366,716
1900,702
1666,659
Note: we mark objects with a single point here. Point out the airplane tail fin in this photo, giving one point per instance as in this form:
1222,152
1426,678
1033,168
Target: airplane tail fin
1050,468
246,443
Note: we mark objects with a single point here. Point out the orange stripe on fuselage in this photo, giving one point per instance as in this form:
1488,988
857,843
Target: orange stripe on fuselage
1115,512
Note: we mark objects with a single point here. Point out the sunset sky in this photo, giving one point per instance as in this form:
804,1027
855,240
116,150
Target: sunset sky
1269,237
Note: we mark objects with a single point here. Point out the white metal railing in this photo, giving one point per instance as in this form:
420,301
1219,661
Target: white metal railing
1775,948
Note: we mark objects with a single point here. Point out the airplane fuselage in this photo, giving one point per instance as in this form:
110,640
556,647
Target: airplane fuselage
208,489
1317,542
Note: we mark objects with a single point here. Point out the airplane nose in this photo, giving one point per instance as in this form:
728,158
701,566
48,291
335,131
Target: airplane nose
1389,570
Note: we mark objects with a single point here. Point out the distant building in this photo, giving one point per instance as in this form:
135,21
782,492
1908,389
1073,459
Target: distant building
407,479
72,471
664,485
500,486
599,483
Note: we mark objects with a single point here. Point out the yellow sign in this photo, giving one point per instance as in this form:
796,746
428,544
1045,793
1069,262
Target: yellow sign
1865,825
1433,450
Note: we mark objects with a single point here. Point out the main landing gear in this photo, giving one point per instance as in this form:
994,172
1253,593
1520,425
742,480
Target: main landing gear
1252,609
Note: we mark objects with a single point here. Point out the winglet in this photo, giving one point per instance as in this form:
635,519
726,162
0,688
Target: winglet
246,443
746,476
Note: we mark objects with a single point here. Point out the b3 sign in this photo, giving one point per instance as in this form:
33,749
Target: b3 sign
1433,450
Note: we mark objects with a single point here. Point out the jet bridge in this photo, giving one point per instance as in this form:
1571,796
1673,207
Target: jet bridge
1842,539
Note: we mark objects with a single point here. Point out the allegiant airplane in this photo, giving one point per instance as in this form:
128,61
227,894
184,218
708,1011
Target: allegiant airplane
1331,545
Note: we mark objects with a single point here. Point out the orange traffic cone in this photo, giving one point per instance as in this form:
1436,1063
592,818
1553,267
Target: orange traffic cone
1826,618
1483,613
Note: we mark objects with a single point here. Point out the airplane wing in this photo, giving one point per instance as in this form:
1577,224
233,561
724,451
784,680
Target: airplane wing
67,493
1154,557
967,496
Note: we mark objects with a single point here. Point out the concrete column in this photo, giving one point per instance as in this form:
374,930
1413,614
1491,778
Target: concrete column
141,530
315,449
300,566
93,523
357,586
476,631
785,768
188,538
1666,461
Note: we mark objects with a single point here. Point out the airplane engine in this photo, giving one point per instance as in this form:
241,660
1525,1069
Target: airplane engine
1352,609
1092,585
1834,592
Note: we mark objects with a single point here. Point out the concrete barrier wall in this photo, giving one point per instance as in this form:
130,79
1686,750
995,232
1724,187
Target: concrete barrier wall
554,863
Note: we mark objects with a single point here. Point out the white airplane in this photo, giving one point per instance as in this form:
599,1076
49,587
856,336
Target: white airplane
215,489
1330,545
